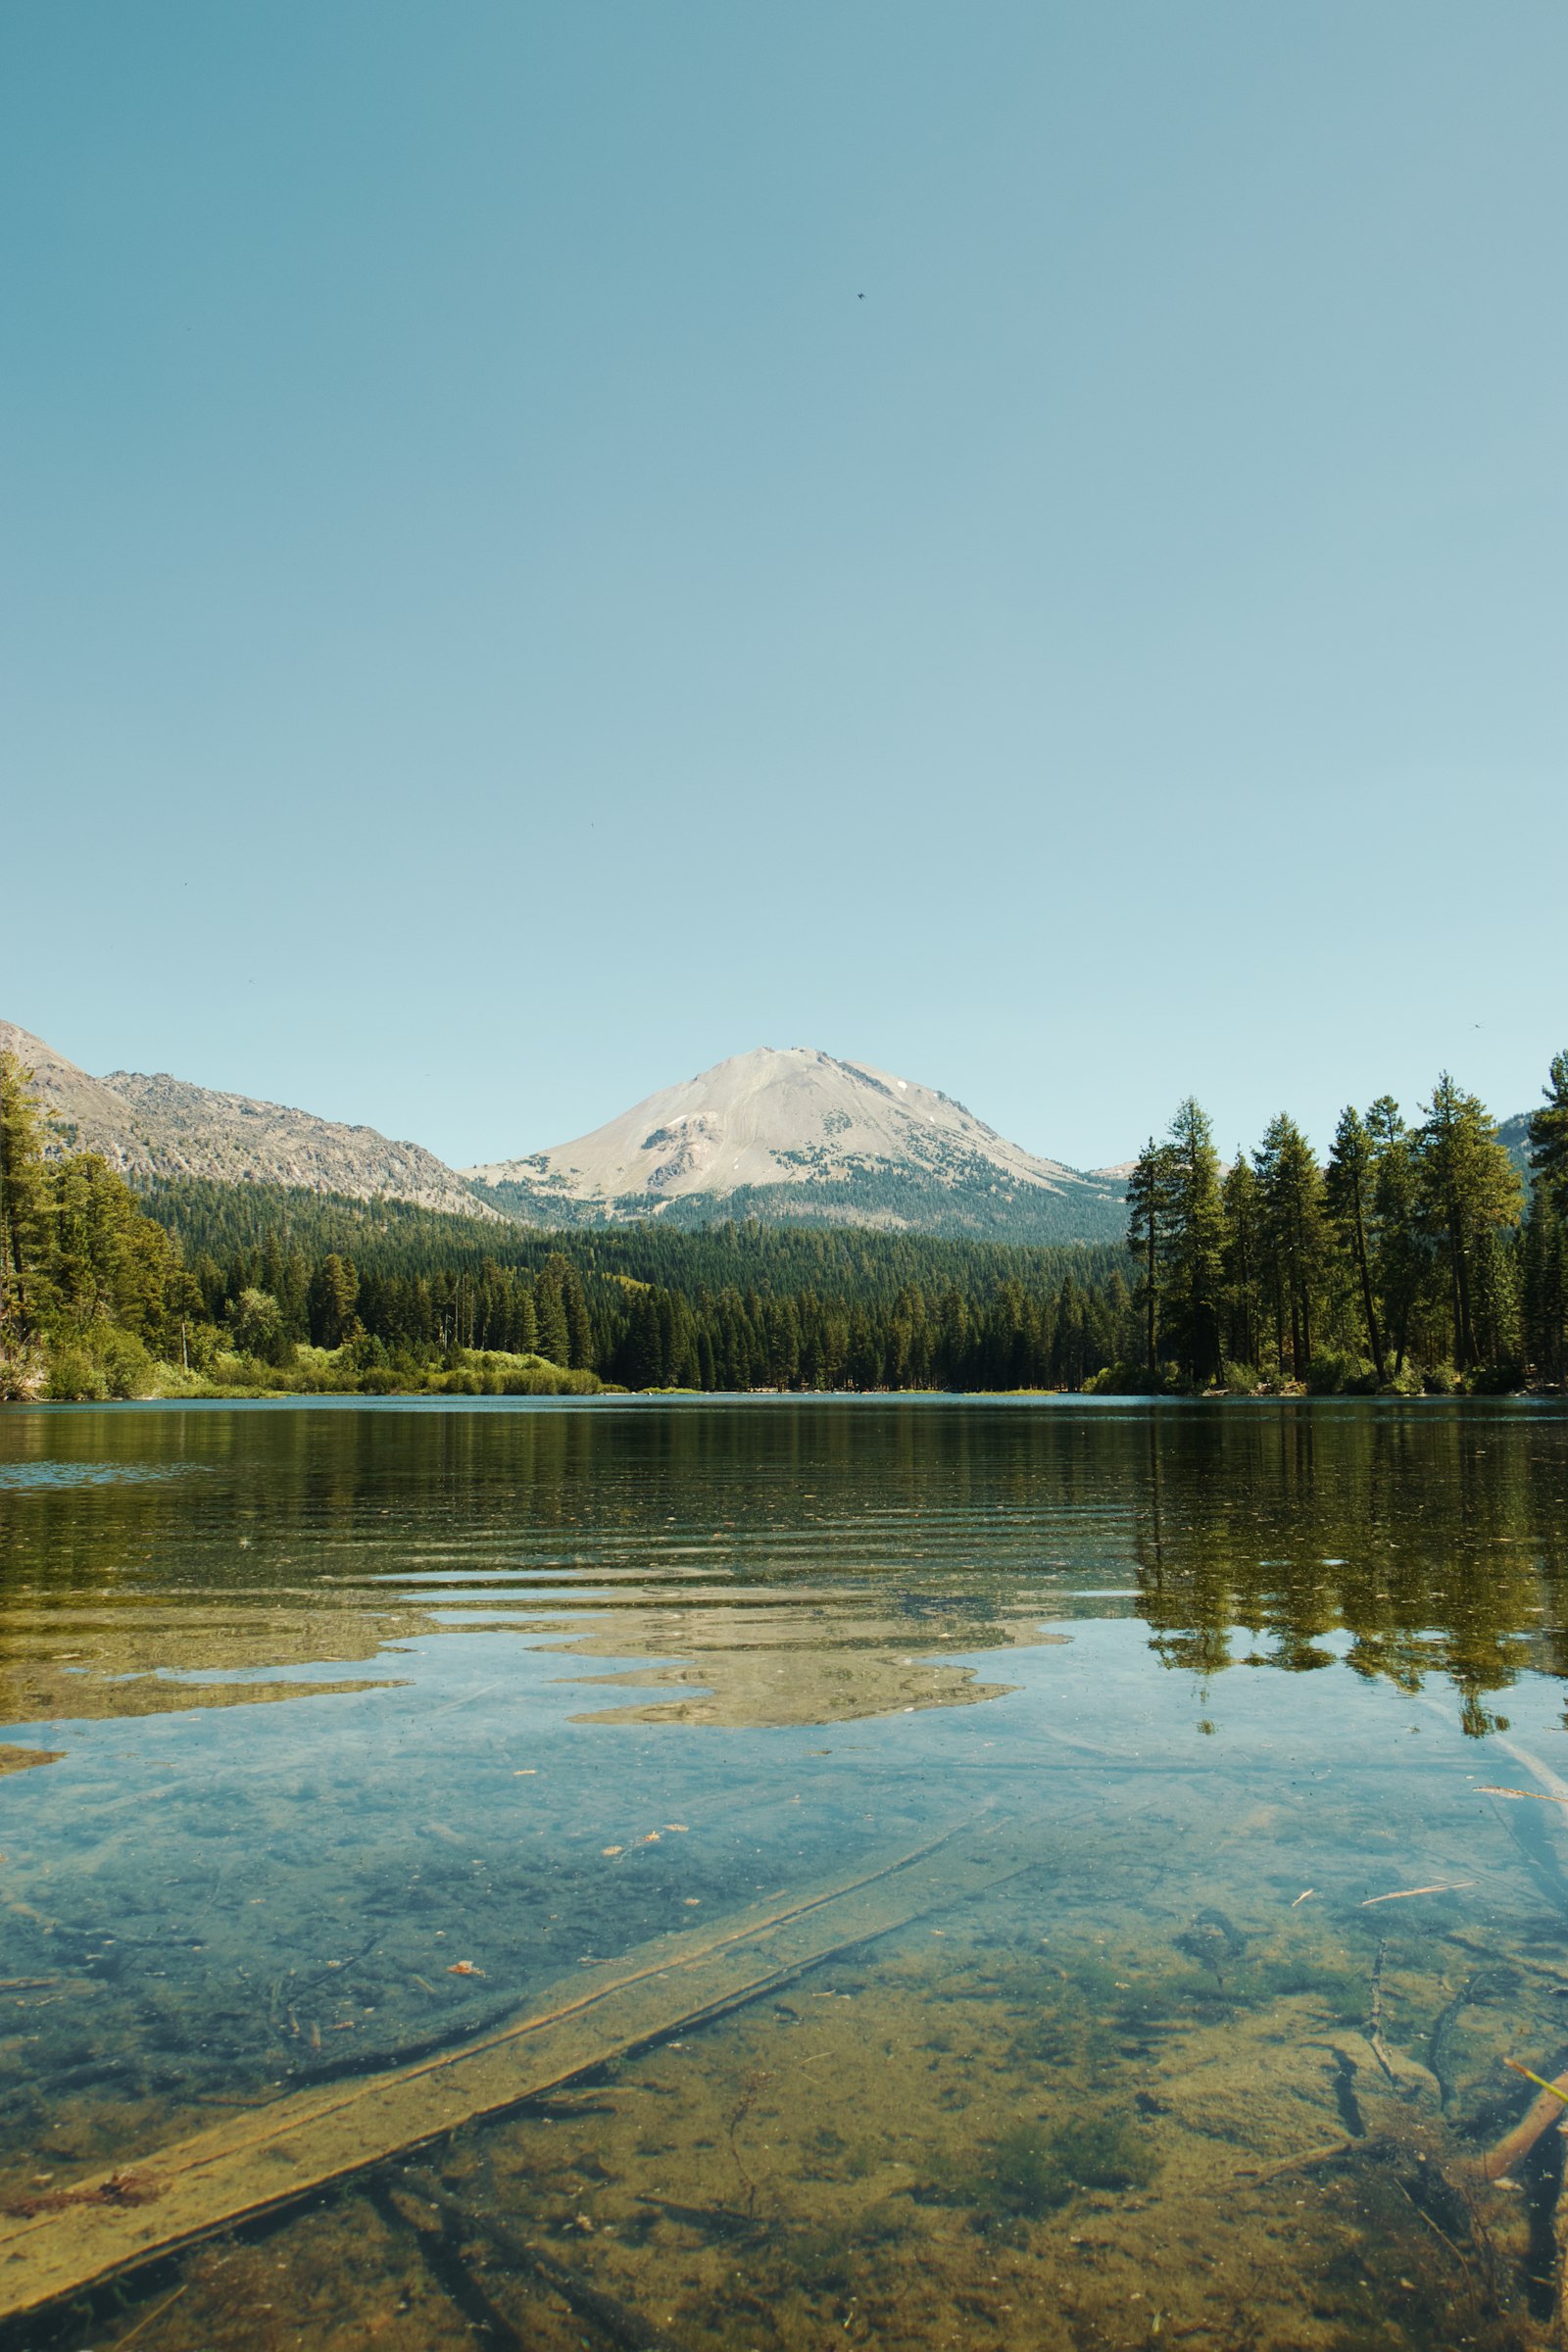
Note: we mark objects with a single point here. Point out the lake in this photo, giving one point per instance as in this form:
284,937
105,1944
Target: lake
769,1873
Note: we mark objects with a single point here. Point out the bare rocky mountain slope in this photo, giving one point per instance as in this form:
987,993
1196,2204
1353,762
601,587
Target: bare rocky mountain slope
162,1126
790,1135
784,1136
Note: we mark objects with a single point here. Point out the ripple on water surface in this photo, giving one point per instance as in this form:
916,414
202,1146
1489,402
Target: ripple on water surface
335,1744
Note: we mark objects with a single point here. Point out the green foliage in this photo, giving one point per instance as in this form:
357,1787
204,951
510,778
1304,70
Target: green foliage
74,1375
91,1289
1468,1191
1339,1372
1349,1189
255,1320
1548,1134
1195,1213
727,1308
1402,1267
1150,1212
1398,1268
105,1361
1293,1242
329,1301
27,1297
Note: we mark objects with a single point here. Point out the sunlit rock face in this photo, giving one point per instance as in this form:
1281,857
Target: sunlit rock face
797,1133
162,1126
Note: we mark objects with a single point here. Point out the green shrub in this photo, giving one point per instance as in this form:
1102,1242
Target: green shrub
127,1368
75,1377
1335,1372
256,1321
1133,1379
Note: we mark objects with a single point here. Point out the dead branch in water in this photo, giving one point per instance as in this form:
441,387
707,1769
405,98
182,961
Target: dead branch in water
1544,2110
262,2159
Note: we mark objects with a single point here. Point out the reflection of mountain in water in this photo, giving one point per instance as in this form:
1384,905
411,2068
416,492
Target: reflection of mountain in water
778,1564
750,1668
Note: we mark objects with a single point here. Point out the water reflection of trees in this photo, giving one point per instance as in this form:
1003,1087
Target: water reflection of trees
1434,1535
1435,1538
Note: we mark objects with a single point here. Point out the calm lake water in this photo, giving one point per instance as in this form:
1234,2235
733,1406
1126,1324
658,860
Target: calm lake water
974,1872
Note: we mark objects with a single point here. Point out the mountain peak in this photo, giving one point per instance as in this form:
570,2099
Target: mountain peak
795,1132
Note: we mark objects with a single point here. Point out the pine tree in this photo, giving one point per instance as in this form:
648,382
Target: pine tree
1148,1195
574,1306
1196,1246
1293,1234
1469,1190
1545,1268
1067,1361
1545,1284
330,1301
1348,1188
549,1310
524,1329
865,1366
1243,1255
641,1360
25,1291
1402,1257
1548,1134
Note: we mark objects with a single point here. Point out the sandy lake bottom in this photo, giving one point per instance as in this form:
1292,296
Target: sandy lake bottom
754,1875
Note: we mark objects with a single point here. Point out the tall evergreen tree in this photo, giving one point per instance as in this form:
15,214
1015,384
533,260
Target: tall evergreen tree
1548,1134
1545,1254
1196,1247
1469,1190
1244,1262
1401,1259
1148,1196
1290,1190
1349,1189
1544,1282
550,1310
574,1306
24,1209
333,1290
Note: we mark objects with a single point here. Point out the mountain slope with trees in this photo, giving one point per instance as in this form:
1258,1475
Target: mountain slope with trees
1410,1262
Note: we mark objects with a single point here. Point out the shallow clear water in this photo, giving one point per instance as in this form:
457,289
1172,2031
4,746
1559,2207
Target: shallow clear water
332,1738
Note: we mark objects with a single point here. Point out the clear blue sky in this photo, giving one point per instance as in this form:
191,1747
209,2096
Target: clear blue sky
494,622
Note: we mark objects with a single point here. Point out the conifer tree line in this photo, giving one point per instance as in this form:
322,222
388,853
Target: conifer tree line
641,1335
1413,1258
93,1292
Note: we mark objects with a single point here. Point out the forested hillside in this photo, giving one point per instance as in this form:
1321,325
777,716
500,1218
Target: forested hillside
1413,1260
743,1306
1409,1260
